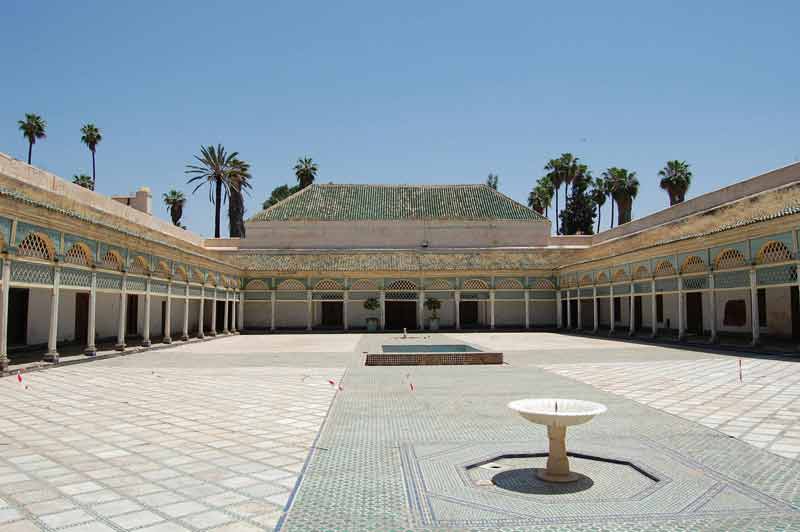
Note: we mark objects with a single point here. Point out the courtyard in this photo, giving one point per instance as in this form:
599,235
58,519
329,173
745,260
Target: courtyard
292,432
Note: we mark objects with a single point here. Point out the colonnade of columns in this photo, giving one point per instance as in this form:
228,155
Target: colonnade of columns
680,293
232,300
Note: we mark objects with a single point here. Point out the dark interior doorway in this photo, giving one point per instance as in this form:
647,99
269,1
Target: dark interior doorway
220,325
468,313
81,317
18,316
694,313
637,313
564,313
132,316
401,314
163,317
332,314
573,313
795,313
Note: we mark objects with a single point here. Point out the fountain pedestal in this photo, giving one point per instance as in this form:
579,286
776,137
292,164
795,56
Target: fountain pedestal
557,415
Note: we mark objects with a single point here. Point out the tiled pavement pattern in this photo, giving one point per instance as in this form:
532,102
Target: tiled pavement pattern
126,444
763,409
393,459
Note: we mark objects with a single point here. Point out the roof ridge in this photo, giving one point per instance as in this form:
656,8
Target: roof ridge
398,185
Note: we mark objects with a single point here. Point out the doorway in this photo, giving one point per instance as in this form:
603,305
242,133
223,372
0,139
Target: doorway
332,314
468,313
163,318
132,316
637,313
401,314
573,313
564,313
219,326
694,312
18,316
795,313
81,318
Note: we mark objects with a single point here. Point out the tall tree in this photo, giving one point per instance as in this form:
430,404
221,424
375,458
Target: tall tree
676,178
577,218
239,183
214,170
556,176
33,128
492,180
624,187
306,171
84,181
278,194
175,200
564,170
599,194
91,136
541,196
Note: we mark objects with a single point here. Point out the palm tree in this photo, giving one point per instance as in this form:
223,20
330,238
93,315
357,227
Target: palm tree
306,171
239,182
175,200
556,176
84,181
91,136
492,180
541,196
624,187
676,177
33,127
598,195
214,170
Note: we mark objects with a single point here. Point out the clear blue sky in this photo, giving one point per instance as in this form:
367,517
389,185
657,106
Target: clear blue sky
404,92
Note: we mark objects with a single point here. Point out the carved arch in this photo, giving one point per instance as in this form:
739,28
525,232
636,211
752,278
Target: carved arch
509,284
38,246
402,285
291,285
364,284
475,284
772,252
79,254
693,264
328,285
730,258
664,269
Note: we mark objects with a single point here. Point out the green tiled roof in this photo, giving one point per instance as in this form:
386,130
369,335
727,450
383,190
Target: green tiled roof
397,202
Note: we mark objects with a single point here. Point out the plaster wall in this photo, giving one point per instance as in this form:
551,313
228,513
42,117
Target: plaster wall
257,315
107,314
543,313
290,314
509,313
377,234
38,315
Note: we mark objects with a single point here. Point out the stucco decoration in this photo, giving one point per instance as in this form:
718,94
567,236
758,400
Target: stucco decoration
198,276
475,284
602,278
256,284
291,285
402,285
508,284
772,252
730,258
641,272
620,275
180,274
693,264
139,265
364,285
586,279
112,260
78,254
328,285
36,245
438,284
665,269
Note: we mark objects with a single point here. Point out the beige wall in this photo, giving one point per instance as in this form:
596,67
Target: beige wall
393,234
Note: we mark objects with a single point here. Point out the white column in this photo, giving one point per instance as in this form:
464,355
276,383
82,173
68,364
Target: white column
559,316
631,321
754,307
653,321
225,326
491,308
240,314
4,316
91,349
569,310
213,328
457,305
185,332
612,316
233,311
681,324
527,309
382,302
345,304
200,317
595,308
580,310
168,316
309,310
421,311
272,310
146,333
52,337
123,304
713,305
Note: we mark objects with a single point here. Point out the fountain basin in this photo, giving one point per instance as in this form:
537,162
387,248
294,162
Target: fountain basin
557,415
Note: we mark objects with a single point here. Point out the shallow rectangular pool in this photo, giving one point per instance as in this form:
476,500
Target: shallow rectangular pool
441,348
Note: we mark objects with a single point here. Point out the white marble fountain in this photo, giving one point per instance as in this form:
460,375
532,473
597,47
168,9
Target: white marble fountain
557,415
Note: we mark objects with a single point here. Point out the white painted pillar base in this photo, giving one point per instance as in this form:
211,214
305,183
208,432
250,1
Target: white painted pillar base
146,332
457,303
213,329
681,310
225,324
168,316
569,311
421,311
272,311
240,313
491,309
713,304
595,306
527,310
123,304
309,310
754,317
200,317
382,302
653,321
559,313
580,311
185,332
4,316
631,320
233,312
91,348
52,337
612,315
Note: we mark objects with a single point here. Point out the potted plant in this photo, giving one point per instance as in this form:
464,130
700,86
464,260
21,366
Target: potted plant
433,305
371,304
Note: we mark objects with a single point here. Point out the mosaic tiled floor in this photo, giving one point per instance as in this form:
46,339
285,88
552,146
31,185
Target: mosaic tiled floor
103,446
763,409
